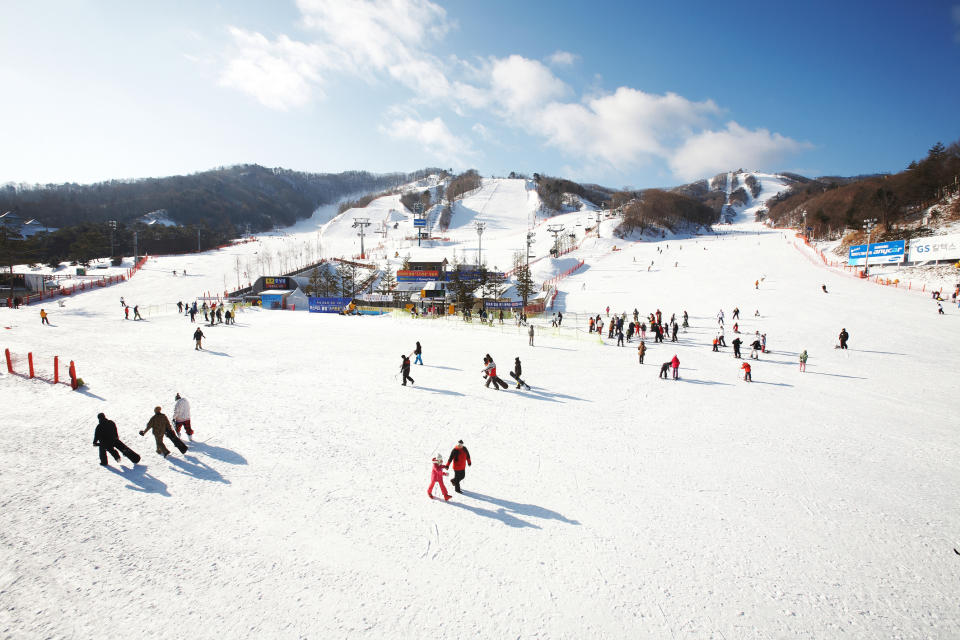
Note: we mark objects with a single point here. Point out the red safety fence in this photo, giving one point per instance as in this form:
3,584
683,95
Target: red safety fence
45,369
87,284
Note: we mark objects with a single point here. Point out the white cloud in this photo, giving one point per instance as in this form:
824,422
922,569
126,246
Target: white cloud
433,136
709,152
481,131
521,84
562,58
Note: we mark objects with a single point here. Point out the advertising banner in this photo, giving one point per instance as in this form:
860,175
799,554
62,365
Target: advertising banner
376,297
469,275
934,248
419,222
413,275
880,253
512,304
328,305
276,283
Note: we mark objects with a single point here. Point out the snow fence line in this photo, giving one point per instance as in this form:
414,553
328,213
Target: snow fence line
573,333
44,369
83,286
852,272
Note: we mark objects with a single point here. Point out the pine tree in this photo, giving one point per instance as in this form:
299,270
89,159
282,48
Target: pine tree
387,281
525,285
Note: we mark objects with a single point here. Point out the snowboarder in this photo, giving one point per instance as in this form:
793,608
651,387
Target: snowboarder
939,308
664,368
181,416
43,317
530,334
198,336
123,303
105,436
803,360
405,369
158,424
436,477
517,372
675,363
418,351
844,336
746,372
490,373
126,312
460,458
641,351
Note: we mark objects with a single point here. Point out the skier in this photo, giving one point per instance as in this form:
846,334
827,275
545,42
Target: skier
591,325
181,416
674,338
517,372
844,336
716,342
158,424
641,350
756,285
198,336
105,436
436,477
228,317
675,363
136,312
736,313
939,308
803,360
686,320
763,342
736,347
721,340
559,318
418,351
746,372
122,302
736,327
405,369
179,307
460,458
490,373
193,312
663,370
43,317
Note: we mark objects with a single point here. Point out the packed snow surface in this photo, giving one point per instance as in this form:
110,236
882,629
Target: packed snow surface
603,503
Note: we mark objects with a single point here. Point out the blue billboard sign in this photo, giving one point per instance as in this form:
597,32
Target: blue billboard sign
469,275
419,222
328,305
880,253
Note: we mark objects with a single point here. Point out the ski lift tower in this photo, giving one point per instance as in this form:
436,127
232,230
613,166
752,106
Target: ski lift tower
363,223
868,226
556,230
480,227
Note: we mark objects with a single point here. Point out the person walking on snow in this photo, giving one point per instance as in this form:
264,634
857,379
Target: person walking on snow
43,317
198,336
530,333
939,308
105,436
736,347
517,372
490,373
755,350
126,312
641,350
136,312
181,416
460,458
675,363
436,477
405,369
803,360
158,424
418,351
844,336
746,372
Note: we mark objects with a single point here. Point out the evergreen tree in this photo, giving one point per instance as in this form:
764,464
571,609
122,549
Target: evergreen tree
387,281
525,285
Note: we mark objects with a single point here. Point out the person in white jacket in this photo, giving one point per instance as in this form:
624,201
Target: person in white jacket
181,416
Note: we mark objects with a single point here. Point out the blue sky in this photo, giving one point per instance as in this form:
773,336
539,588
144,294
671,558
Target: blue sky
619,93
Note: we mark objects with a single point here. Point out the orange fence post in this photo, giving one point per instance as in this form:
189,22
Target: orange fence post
56,369
30,361
9,361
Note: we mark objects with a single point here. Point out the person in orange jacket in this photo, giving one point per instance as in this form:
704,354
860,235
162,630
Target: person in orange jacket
460,458
746,372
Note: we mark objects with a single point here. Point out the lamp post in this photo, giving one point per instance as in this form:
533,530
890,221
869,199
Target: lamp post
868,226
113,227
363,223
480,227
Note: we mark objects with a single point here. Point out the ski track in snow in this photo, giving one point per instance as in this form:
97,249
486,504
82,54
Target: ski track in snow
602,503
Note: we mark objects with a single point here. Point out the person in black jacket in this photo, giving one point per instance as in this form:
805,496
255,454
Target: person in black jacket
844,336
736,347
405,370
418,351
105,436
198,336
517,372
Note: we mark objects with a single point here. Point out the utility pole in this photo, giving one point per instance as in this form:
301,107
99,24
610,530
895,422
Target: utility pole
113,227
868,226
198,239
362,223
135,247
419,221
480,227
556,229
530,237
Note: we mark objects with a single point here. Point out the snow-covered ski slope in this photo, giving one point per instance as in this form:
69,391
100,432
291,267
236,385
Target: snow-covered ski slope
604,503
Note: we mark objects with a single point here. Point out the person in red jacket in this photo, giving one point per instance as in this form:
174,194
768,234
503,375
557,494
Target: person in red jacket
436,476
746,372
675,363
460,458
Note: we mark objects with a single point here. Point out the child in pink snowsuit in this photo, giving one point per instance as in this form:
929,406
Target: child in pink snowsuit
437,476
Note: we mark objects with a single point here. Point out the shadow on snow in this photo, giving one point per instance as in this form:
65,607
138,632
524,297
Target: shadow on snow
141,481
